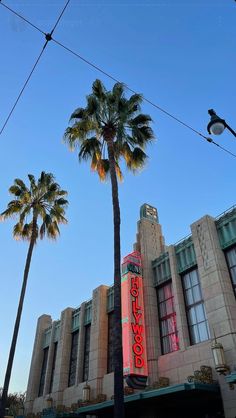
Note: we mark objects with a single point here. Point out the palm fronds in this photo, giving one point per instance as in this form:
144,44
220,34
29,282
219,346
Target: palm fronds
44,202
109,114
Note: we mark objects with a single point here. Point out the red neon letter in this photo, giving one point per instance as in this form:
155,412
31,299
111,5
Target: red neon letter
137,329
138,338
134,292
135,281
137,349
135,307
139,362
137,316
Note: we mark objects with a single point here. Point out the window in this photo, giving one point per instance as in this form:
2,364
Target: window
75,319
198,325
167,319
86,353
73,358
88,313
53,367
43,371
110,343
231,260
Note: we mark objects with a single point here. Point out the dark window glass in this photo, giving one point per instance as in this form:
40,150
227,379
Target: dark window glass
167,319
43,371
73,358
86,353
110,343
231,260
53,367
198,324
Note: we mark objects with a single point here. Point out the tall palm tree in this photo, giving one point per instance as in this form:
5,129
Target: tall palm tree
108,129
40,208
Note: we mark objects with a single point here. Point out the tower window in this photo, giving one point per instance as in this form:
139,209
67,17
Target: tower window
167,319
198,324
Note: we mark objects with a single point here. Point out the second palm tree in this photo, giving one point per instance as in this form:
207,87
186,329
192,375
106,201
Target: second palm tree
43,200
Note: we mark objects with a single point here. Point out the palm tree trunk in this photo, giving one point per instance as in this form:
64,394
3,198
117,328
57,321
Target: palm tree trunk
3,399
119,411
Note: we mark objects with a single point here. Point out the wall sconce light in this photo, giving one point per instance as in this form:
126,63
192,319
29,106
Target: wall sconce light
86,393
219,358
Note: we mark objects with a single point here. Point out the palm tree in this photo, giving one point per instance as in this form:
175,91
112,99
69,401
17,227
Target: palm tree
108,128
44,203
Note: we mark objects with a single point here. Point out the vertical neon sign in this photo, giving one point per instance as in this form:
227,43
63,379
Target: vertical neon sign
133,322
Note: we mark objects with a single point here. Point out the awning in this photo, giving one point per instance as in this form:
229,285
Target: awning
194,396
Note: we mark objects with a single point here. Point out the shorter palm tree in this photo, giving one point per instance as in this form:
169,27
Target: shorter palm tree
40,208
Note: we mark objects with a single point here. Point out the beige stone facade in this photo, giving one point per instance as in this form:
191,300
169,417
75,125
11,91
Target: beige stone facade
205,254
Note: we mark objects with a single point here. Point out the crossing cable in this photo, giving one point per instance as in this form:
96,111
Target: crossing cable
22,17
23,88
48,37
208,139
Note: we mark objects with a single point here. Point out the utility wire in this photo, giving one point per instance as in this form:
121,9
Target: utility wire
99,69
23,88
128,88
23,18
60,16
223,149
48,37
144,98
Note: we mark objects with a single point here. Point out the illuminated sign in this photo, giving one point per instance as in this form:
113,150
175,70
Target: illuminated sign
133,323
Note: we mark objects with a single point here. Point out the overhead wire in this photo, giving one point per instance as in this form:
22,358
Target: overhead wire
49,37
23,88
60,16
208,139
22,17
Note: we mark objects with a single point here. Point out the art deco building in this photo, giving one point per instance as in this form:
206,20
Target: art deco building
179,332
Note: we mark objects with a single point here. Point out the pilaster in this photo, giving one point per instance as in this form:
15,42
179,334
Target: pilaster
61,373
150,243
43,323
218,297
181,319
98,341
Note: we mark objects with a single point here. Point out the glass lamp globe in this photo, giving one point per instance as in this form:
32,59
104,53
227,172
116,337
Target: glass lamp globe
217,128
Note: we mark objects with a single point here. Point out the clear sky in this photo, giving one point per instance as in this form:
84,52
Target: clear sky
180,55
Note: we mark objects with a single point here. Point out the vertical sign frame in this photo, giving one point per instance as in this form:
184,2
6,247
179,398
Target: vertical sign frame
133,321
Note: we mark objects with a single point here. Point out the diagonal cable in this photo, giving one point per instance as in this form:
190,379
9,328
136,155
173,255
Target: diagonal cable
144,98
23,18
101,70
128,88
60,16
48,37
223,149
23,88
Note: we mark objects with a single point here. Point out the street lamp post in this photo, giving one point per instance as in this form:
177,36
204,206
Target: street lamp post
217,125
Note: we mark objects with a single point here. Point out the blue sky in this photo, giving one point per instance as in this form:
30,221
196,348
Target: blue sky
180,55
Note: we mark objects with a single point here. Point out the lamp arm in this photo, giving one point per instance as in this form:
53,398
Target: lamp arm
230,129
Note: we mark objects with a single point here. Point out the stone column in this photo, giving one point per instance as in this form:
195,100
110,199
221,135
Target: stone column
218,297
61,373
181,319
49,362
150,243
44,322
80,357
98,341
